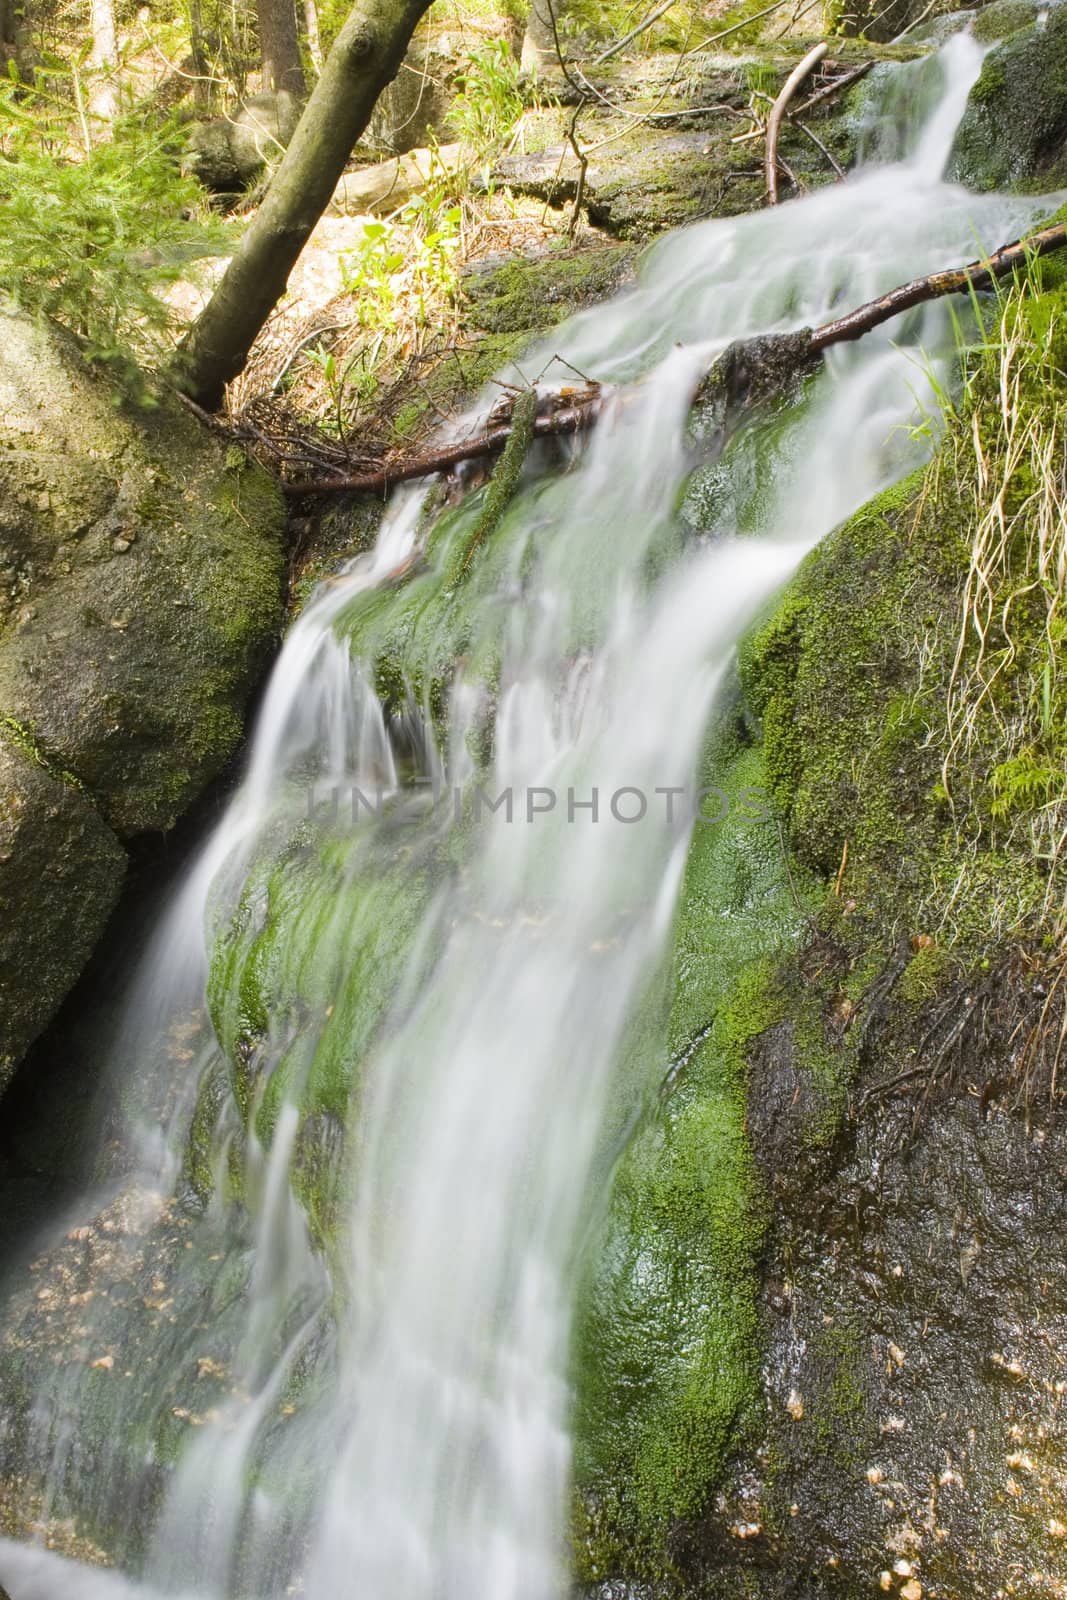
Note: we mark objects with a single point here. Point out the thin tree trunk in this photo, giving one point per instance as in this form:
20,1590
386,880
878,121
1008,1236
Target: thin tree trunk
366,55
539,43
103,60
311,27
279,47
198,50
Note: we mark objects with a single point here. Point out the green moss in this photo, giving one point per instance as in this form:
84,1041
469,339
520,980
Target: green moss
843,636
1001,19
198,1168
927,973
504,481
668,1347
539,292
27,741
838,1417
1014,132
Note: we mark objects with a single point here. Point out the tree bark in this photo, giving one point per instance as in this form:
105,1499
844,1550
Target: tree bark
976,275
199,57
279,47
365,57
103,59
314,38
778,111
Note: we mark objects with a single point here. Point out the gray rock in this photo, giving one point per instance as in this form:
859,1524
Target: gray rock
140,592
229,153
1014,131
61,869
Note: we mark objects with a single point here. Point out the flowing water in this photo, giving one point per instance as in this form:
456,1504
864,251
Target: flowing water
273,1356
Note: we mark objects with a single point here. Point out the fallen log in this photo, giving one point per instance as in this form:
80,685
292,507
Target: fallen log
578,412
572,411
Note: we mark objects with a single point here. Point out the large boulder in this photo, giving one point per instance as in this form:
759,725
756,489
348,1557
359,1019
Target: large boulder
1014,132
229,153
61,869
140,591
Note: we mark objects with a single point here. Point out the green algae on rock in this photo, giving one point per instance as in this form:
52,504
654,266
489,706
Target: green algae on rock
1014,131
905,1139
668,1348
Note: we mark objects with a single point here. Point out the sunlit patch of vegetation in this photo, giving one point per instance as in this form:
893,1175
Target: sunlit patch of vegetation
96,229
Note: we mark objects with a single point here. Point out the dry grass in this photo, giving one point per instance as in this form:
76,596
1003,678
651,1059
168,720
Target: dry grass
1007,447
326,387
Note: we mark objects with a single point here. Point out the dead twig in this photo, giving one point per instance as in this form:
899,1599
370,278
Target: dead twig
778,110
831,89
817,142
634,33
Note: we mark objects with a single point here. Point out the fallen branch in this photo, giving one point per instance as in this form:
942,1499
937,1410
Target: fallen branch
634,33
825,148
578,412
954,280
836,87
778,110
574,411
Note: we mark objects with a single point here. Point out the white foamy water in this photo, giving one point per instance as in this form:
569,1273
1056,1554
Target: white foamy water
433,1460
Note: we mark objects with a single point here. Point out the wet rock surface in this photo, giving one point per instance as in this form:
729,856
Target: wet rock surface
1014,132
915,1311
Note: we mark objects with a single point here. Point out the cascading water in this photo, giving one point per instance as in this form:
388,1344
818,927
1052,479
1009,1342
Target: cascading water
271,1359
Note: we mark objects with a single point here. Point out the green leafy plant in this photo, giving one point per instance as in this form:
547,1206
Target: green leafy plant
491,101
404,269
94,233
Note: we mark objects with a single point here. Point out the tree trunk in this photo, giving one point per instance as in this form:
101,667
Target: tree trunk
279,47
199,56
103,60
311,28
365,57
539,42
16,39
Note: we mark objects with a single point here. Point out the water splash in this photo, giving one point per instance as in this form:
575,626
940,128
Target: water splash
375,1402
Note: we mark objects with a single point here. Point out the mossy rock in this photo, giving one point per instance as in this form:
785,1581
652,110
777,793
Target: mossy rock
913,1171
61,869
536,292
660,154
141,594
229,153
1003,18
668,1347
142,590
1014,132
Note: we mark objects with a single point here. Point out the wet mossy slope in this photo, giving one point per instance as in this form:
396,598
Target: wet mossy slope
822,1348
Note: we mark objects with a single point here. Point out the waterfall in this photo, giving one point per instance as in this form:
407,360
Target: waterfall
327,1353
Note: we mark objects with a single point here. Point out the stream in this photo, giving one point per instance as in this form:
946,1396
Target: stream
310,1333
